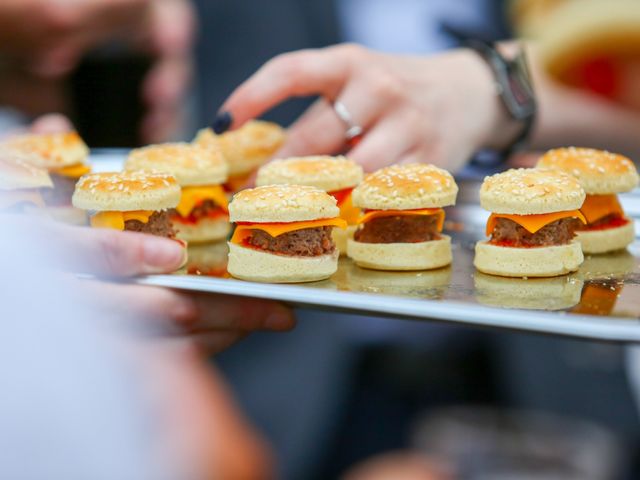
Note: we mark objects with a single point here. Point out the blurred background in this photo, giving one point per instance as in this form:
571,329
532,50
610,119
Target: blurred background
350,397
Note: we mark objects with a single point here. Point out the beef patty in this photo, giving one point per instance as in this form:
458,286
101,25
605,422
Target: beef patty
614,218
510,233
308,242
159,224
399,229
61,193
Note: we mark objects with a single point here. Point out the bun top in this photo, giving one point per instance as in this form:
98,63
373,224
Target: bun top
191,165
246,148
51,151
599,172
126,191
406,187
528,191
324,172
282,203
17,174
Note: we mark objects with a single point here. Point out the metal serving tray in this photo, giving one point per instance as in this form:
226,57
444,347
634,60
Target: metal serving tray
601,301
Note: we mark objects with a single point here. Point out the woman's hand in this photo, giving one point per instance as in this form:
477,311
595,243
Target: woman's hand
437,109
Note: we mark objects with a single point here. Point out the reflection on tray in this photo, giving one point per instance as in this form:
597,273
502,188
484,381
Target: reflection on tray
556,293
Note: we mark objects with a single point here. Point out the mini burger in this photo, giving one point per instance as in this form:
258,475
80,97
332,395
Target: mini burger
602,175
64,155
245,149
283,234
20,184
335,175
535,213
401,228
202,214
132,201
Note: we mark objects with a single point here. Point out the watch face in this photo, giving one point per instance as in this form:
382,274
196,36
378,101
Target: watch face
520,96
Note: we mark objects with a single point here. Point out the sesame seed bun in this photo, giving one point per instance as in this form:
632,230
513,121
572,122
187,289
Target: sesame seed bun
51,151
207,259
126,191
528,262
556,293
599,172
257,266
191,165
204,230
282,203
16,174
528,191
607,240
246,148
401,256
406,187
324,172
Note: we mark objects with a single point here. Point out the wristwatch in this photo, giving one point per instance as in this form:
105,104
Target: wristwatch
515,88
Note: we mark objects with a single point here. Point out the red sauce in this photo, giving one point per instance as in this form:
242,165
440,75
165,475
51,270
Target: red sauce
341,195
510,244
613,223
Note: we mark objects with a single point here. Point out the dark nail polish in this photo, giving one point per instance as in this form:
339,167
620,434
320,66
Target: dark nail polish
222,122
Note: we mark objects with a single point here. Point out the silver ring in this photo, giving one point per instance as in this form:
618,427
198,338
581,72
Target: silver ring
353,129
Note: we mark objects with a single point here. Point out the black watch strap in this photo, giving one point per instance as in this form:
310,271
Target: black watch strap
515,88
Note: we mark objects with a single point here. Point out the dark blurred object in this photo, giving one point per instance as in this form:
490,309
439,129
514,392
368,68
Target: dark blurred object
490,444
106,97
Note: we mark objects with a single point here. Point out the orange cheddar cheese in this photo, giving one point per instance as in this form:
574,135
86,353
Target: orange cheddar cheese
115,220
73,171
348,212
596,207
12,198
243,230
533,223
194,196
367,217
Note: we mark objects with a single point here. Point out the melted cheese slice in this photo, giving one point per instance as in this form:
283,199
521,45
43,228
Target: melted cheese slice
348,212
596,207
194,196
115,220
73,171
12,198
367,217
243,231
533,223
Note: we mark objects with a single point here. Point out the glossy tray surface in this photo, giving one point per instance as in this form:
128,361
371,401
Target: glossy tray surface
600,301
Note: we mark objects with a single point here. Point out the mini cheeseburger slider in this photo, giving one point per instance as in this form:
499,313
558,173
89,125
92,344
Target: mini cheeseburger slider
534,217
20,184
283,234
335,175
403,218
132,201
245,149
202,214
602,175
64,155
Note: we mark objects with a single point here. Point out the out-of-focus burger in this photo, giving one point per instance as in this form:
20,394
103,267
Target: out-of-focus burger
602,175
132,201
337,176
535,213
401,228
283,234
245,149
64,155
20,184
202,214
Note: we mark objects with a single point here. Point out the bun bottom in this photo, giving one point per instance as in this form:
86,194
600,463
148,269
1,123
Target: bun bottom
205,230
528,262
609,240
533,294
401,256
256,266
341,236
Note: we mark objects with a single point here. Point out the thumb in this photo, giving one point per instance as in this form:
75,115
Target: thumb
113,253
